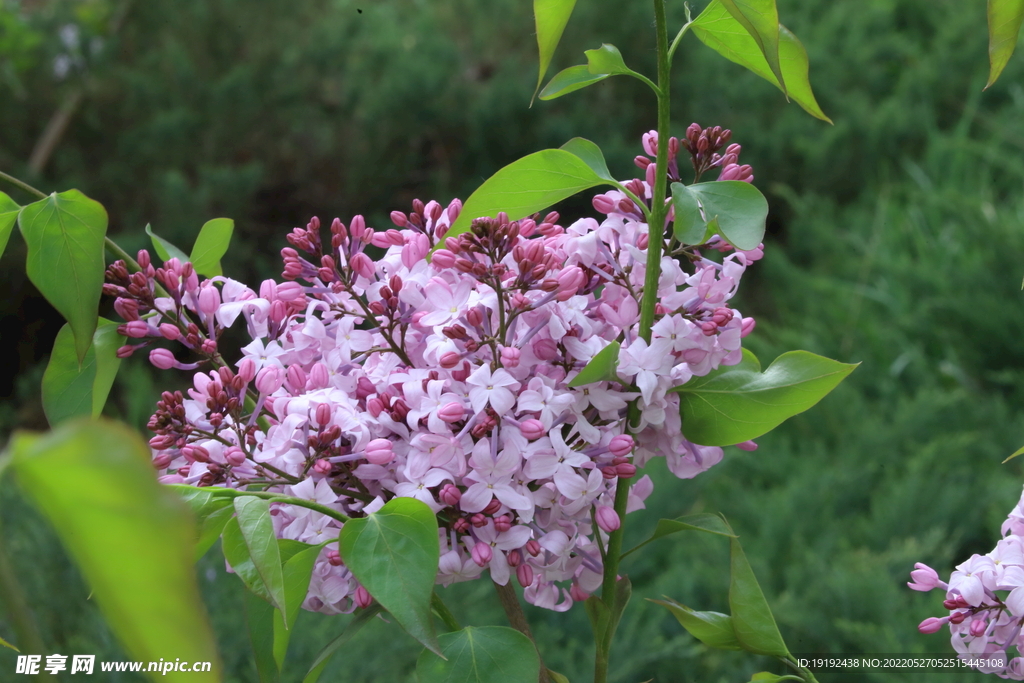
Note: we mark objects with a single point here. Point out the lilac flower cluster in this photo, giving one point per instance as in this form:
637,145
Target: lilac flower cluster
446,378
985,600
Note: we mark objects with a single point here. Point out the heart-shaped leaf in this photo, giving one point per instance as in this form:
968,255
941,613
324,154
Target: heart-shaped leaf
485,654
394,553
73,389
164,249
64,234
734,209
131,537
711,628
9,211
591,155
1004,20
257,529
601,367
719,30
752,618
551,16
689,224
760,18
737,403
570,80
606,60
211,245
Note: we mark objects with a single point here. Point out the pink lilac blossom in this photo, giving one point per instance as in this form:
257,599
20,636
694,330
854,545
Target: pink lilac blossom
985,601
446,379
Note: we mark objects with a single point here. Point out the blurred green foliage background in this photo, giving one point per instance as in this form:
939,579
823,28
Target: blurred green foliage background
896,240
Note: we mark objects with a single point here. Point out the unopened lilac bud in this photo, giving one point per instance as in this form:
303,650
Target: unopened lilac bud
295,378
379,452
334,558
442,259
196,452
162,461
209,347
533,547
357,228
625,470
569,282
475,317
374,406
137,329
399,219
532,429
450,495
363,598
449,360
949,604
932,624
604,204
235,456
169,331
957,617
747,446
621,445
127,308
451,412
209,299
362,265
125,351
502,523
269,379
924,578
247,370
524,575
162,358
978,627
545,349
607,518
415,250
482,554
161,441
747,326
493,506
172,478
510,356
323,414
323,466
577,593
319,376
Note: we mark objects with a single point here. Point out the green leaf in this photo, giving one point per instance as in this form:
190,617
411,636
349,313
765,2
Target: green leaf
606,60
72,389
297,572
752,619
604,618
734,209
237,555
484,654
551,17
320,663
766,677
600,368
132,538
591,155
211,511
4,643
689,225
557,677
1015,454
211,245
760,18
716,28
9,211
259,621
394,553
711,628
737,403
257,529
64,234
1004,20
702,521
526,186
164,249
570,80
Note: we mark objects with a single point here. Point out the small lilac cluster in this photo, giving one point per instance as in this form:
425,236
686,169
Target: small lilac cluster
985,600
446,379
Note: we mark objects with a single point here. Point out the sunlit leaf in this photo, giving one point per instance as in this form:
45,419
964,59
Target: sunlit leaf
760,18
211,245
716,28
606,60
570,80
752,618
1004,20
591,155
600,368
211,511
164,249
1015,454
485,654
711,628
132,538
9,210
736,403
689,226
394,553
734,209
551,17
258,531
4,643
71,389
64,234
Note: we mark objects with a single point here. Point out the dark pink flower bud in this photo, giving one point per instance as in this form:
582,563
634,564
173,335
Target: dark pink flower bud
478,520
362,265
295,378
247,370
932,624
524,575
269,379
127,308
137,329
169,331
334,558
502,523
948,604
357,228
461,525
125,351
957,617
363,598
577,593
747,446
625,470
209,299
449,360
451,412
545,349
196,452
450,495
569,282
364,388
642,241
532,429
235,456
621,445
375,406
162,461
533,547
514,557
607,518
323,414
290,291
162,358
475,317
171,479
462,374
161,441
482,554
209,347
442,259
604,204
495,504
399,219
319,376
323,466
510,356
978,627
379,452
415,250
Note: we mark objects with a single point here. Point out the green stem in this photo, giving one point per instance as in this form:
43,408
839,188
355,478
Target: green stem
23,185
656,230
281,498
445,614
